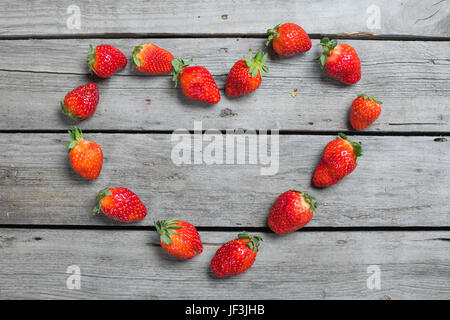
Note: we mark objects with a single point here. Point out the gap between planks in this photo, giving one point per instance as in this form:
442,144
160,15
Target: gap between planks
346,36
257,131
227,229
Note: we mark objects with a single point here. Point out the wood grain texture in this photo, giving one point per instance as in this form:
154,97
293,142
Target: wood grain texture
419,18
399,181
311,265
412,78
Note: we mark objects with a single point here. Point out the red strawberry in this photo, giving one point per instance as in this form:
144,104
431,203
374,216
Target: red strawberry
152,59
236,256
340,61
338,160
86,157
180,239
80,103
196,82
291,211
105,60
245,75
288,39
120,204
364,111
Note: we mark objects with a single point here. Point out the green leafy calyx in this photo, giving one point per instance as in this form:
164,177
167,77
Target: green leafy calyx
178,67
253,242
70,113
91,58
366,96
75,135
103,193
166,228
136,51
327,46
272,33
256,63
357,146
309,199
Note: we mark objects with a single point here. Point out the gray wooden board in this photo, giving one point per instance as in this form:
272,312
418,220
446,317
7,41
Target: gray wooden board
368,17
412,78
400,181
302,265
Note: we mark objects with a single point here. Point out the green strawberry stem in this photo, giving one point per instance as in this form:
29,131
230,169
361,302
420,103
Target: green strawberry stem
357,146
366,96
178,67
254,240
166,228
272,33
91,58
75,136
327,46
256,63
309,199
135,53
103,193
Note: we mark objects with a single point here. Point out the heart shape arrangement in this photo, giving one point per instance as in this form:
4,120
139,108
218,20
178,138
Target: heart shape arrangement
293,209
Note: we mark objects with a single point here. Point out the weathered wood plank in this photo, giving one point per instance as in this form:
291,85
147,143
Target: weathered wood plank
374,17
400,181
311,265
415,88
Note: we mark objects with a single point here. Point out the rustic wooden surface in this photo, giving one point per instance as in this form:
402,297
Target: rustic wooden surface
302,265
392,212
396,177
204,17
414,87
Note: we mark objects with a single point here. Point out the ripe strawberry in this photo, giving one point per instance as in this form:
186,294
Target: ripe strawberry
288,39
180,239
291,211
196,82
338,160
105,60
364,111
245,75
120,204
80,103
152,59
340,61
235,256
86,157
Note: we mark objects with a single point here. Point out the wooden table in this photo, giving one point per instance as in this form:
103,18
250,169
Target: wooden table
390,218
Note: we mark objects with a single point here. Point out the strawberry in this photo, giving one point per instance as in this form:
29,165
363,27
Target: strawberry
80,103
340,61
196,82
105,60
152,59
236,256
364,111
86,157
245,75
120,204
338,160
179,238
291,211
288,39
